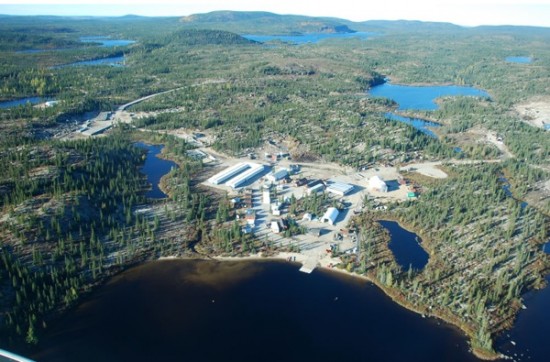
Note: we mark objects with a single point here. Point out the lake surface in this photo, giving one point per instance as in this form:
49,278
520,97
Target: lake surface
155,168
307,38
421,97
420,124
244,311
521,60
546,248
531,331
22,102
106,41
116,61
405,246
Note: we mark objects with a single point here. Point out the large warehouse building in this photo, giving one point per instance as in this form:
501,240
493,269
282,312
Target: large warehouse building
254,171
228,173
340,188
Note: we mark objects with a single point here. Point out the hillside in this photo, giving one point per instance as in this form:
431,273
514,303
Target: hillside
266,23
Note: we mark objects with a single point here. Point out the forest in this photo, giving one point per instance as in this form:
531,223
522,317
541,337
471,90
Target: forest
72,210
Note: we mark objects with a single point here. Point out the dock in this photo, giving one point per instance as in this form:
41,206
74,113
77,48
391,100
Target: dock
309,265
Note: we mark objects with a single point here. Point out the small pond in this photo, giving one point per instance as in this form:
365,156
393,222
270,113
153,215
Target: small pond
546,247
506,188
22,102
306,38
521,60
405,246
155,168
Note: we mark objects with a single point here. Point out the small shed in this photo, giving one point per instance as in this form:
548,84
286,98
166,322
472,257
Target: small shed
315,189
301,182
330,216
275,227
250,217
307,217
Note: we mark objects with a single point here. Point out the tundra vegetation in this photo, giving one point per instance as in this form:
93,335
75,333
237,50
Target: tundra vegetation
73,212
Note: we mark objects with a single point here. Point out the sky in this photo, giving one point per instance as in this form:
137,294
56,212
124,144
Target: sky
461,12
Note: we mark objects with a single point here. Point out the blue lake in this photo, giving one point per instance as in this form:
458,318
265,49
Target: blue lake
106,41
405,246
100,40
521,60
117,61
546,248
421,97
420,124
155,168
22,102
307,38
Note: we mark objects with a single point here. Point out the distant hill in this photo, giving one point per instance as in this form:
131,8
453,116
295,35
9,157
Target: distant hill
411,25
191,37
259,22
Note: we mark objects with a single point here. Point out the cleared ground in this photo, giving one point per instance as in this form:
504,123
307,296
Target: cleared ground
535,112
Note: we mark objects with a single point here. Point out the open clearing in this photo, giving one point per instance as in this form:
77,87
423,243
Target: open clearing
535,112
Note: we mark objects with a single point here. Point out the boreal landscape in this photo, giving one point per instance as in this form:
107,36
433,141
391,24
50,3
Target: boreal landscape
338,129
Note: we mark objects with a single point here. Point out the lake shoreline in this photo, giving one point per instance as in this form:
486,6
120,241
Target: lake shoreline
393,294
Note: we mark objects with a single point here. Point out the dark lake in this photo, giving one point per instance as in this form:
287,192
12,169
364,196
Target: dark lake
22,102
405,246
521,60
421,97
155,168
244,311
115,61
531,330
307,38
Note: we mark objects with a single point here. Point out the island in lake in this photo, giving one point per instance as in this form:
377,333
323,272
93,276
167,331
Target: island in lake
376,169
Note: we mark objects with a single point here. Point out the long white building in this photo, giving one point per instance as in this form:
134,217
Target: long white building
251,173
228,173
340,188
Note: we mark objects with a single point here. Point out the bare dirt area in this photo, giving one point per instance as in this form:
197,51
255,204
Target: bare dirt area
535,112
479,135
430,169
539,196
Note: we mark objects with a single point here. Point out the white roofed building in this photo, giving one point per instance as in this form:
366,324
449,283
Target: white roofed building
228,173
340,188
330,216
254,171
276,176
377,184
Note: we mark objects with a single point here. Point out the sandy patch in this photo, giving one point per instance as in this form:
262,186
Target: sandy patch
429,169
536,112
